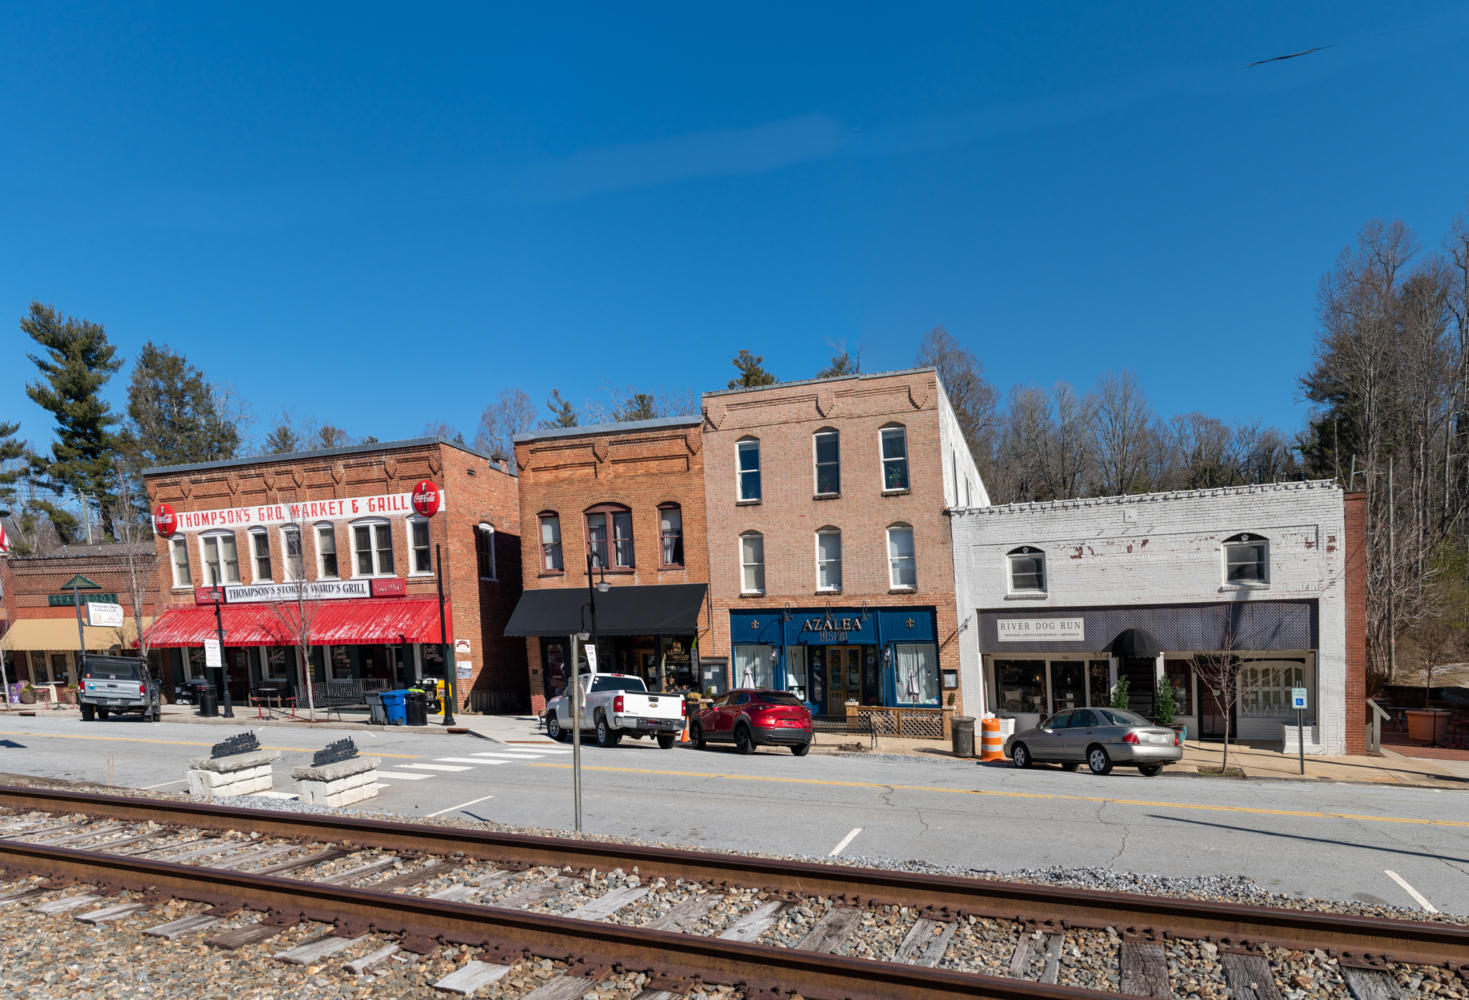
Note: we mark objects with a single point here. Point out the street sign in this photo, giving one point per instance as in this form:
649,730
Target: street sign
212,655
592,657
426,498
1297,698
104,615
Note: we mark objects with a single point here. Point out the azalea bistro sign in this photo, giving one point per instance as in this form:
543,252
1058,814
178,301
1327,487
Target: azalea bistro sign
833,628
167,521
1040,629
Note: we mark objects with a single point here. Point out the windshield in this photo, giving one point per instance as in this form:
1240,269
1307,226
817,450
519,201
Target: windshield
605,683
1120,718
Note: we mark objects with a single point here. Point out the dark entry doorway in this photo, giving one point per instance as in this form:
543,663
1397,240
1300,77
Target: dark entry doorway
1141,684
1212,714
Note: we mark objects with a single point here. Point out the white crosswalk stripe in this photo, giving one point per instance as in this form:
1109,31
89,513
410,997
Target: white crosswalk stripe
537,749
437,767
404,775
469,760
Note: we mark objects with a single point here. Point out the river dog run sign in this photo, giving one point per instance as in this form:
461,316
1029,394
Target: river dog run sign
1040,629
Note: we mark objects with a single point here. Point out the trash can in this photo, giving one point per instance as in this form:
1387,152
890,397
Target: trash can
962,728
415,709
208,702
376,716
393,707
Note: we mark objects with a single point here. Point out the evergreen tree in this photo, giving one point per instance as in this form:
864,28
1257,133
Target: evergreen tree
751,374
562,415
13,455
174,416
842,363
283,440
639,407
76,364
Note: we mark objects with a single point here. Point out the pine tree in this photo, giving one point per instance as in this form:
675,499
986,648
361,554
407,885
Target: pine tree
13,455
76,364
639,407
562,415
283,440
751,374
842,363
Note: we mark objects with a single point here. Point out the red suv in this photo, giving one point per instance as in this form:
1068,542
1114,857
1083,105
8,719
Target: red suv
749,717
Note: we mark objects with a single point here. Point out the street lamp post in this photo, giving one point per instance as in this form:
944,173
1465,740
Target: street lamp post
576,688
449,665
224,673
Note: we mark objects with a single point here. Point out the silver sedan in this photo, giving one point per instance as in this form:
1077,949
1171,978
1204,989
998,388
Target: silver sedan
1100,737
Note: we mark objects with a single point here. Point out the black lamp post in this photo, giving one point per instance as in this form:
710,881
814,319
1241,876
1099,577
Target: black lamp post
224,670
449,665
602,586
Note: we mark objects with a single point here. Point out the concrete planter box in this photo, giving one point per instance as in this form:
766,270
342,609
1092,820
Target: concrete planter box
1428,725
1290,741
237,774
338,784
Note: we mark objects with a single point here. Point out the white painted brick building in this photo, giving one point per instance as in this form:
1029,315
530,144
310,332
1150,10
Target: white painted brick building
1059,594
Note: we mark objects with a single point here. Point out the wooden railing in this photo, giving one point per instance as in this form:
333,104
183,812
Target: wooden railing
910,723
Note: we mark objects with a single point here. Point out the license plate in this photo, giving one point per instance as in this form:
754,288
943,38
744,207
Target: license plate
1157,738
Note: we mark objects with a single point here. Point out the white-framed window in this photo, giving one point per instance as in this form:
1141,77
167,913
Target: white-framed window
826,446
551,543
1265,687
260,555
670,535
484,550
829,559
326,551
420,552
894,447
178,552
1247,560
747,460
902,566
372,548
221,558
1027,570
752,563
295,563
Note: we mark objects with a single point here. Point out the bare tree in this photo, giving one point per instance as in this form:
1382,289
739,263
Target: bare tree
971,396
297,614
1121,437
139,553
513,413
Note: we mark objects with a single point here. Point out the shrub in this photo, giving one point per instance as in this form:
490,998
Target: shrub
1165,707
1119,696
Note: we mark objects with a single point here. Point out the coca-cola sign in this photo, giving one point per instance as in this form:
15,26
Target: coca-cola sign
426,498
165,521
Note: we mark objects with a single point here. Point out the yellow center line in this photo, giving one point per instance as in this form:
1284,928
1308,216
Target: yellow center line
996,793
184,743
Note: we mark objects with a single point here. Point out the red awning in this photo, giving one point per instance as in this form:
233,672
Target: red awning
335,623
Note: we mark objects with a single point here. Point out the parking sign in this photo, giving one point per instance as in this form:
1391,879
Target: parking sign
1297,698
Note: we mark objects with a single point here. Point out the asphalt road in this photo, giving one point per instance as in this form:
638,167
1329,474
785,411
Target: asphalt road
1338,841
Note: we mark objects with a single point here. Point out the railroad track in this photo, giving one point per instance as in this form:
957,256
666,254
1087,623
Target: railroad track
380,891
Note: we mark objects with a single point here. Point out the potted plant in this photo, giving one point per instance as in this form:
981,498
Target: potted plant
67,695
28,694
1119,696
1165,710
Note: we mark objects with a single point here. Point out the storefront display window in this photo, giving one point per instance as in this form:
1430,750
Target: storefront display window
341,661
796,671
1067,688
917,665
1180,674
1021,685
752,665
40,674
1264,687
1099,682
59,673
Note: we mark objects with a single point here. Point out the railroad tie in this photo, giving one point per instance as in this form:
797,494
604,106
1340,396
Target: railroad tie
472,976
561,988
926,942
175,929
1144,969
239,937
1249,976
456,893
64,904
330,854
234,863
110,845
22,894
315,950
95,831
687,913
756,922
372,959
604,906
658,995
531,895
361,871
431,870
219,847
834,927
1371,984
108,914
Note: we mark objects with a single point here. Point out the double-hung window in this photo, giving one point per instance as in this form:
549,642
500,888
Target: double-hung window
178,551
372,546
670,534
1027,566
421,558
295,568
484,550
828,559
260,554
551,544
902,567
827,446
752,563
609,535
1246,560
221,558
326,551
747,455
894,441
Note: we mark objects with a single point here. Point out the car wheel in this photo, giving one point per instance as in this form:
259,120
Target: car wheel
1072,766
1150,770
1020,755
87,712
744,742
801,749
553,727
1097,759
606,736
102,714
667,740
696,735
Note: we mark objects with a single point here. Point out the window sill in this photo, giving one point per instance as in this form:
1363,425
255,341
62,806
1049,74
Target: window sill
1226,588
423,573
551,573
183,587
902,590
904,491
828,591
752,593
826,496
673,568
489,579
1029,595
748,503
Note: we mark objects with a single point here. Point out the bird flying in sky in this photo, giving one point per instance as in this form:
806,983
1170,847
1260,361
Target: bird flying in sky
1293,55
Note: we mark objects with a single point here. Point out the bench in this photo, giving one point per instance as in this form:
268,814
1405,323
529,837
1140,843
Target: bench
333,696
843,725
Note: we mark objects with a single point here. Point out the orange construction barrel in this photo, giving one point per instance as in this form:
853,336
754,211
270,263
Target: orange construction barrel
992,744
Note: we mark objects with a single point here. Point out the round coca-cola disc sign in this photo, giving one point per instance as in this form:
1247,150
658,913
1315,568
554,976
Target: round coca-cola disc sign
165,520
426,498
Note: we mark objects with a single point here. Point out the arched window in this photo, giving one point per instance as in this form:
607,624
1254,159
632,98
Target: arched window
829,559
1027,570
826,447
372,547
551,542
610,523
670,535
902,566
747,465
221,558
752,563
893,441
1246,560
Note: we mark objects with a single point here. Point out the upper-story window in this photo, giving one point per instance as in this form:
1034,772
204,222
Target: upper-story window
221,558
610,522
752,563
894,441
551,544
372,547
484,550
670,534
294,568
747,456
178,552
1246,559
1027,570
260,554
902,566
829,559
421,555
326,551
827,445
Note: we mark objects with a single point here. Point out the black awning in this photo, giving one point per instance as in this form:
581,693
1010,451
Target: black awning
1137,643
672,609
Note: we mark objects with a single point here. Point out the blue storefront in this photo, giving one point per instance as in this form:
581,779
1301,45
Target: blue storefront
830,656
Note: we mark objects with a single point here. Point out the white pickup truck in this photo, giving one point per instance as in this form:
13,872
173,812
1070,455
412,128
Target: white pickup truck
617,705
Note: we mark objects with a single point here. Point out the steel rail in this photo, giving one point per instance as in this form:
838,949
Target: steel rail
764,971
1354,939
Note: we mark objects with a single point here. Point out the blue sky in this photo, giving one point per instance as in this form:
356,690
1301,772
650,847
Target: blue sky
382,216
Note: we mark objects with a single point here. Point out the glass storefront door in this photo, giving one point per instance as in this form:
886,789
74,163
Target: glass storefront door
844,677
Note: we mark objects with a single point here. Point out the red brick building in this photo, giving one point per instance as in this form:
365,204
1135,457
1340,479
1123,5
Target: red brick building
338,528
629,497
830,558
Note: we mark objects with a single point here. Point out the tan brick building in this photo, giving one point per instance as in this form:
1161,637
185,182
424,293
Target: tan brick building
340,526
830,558
629,496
